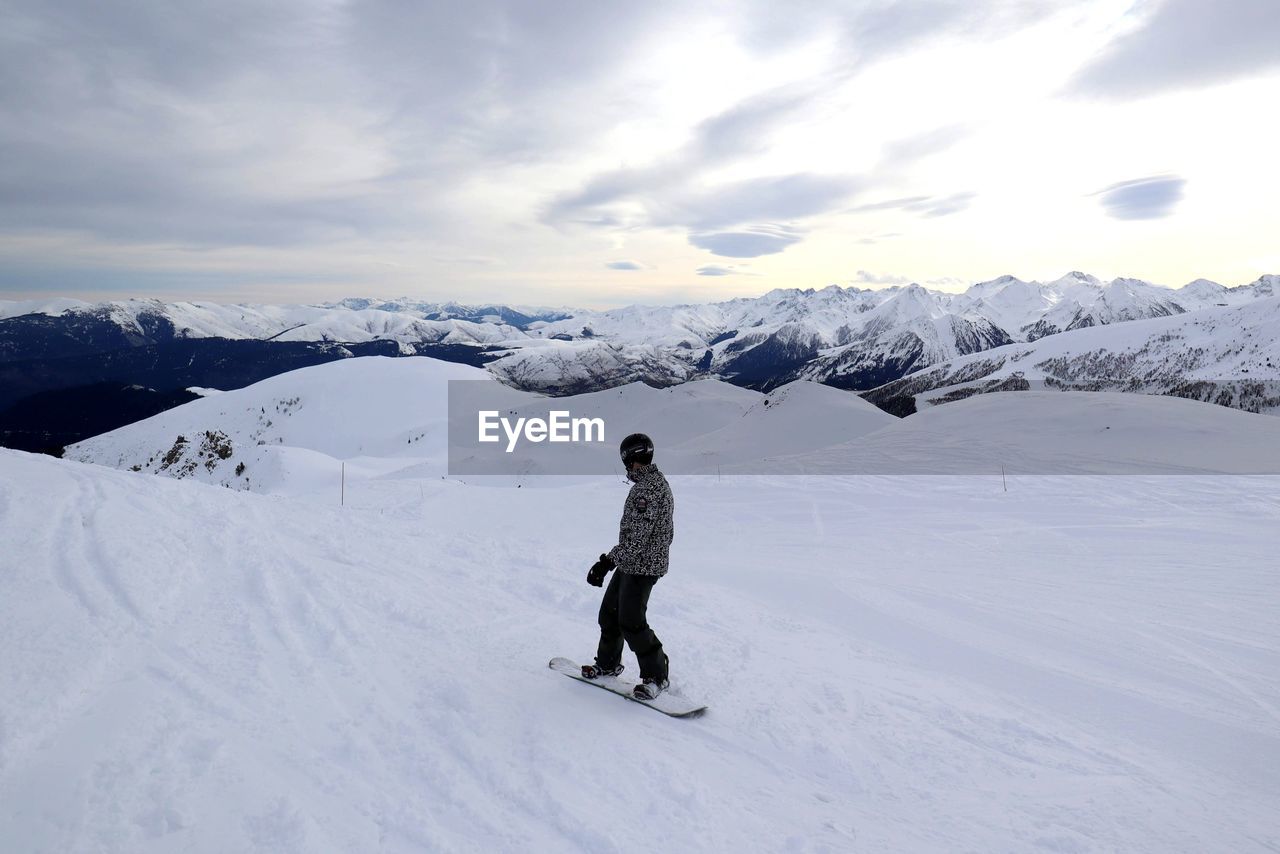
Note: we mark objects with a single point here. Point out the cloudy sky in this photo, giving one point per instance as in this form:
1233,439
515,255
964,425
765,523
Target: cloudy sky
595,154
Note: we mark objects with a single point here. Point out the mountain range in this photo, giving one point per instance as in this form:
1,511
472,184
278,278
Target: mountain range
848,337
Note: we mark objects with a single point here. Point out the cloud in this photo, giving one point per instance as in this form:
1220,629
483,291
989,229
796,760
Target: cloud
1142,198
925,206
667,193
292,123
944,206
782,197
873,239
1186,43
919,146
625,265
296,124
724,270
673,191
866,277
748,243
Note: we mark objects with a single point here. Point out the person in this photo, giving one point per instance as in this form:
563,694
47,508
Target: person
641,558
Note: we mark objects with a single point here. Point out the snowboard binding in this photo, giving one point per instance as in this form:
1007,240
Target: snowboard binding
591,671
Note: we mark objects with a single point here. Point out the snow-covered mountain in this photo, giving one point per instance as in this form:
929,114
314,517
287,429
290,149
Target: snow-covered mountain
850,338
291,429
856,338
1229,356
380,415
846,336
386,417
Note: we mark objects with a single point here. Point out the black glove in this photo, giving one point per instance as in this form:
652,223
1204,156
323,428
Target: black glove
599,570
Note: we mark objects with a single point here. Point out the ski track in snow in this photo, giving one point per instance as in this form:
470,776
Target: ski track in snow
891,663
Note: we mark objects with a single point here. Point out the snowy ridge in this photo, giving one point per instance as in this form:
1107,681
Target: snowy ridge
1229,356
287,433
50,307
386,417
844,336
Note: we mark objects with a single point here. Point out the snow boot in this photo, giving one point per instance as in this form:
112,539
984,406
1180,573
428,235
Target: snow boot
649,689
592,671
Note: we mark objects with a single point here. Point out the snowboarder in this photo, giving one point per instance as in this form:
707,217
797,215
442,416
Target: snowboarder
641,557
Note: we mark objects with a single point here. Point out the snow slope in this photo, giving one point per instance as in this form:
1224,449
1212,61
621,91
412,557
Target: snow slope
293,432
891,664
379,414
1051,433
56,306
800,416
1228,355
290,431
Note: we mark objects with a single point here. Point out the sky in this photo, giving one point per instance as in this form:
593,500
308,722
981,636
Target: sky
594,154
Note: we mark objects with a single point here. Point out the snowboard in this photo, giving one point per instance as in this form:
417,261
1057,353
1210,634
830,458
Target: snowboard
666,702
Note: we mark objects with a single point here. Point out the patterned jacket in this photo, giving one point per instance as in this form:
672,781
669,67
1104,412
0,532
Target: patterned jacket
647,528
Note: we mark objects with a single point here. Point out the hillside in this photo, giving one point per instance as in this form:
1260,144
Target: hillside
292,433
1053,433
1229,356
289,432
1077,664
845,336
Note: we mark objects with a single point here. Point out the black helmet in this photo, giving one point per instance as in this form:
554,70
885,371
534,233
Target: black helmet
636,448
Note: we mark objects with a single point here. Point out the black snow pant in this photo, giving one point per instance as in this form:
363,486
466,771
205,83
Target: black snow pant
622,616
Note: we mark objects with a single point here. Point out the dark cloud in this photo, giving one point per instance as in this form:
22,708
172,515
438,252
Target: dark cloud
1142,198
747,243
625,265
235,122
243,123
1185,43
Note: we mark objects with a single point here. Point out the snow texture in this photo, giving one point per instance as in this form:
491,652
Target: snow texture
1076,664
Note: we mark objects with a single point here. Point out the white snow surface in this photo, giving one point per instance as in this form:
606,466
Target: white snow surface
891,664
291,431
1053,432
55,306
